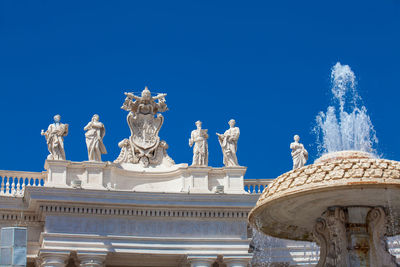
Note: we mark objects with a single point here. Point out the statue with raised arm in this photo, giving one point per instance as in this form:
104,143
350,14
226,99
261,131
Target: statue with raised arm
95,132
144,146
228,142
299,153
55,139
198,138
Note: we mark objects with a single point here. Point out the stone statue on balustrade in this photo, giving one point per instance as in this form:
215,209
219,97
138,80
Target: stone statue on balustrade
55,139
95,132
198,138
299,153
144,146
228,142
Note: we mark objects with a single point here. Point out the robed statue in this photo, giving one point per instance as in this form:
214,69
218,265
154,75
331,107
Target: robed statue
55,139
228,142
299,153
145,120
95,132
198,138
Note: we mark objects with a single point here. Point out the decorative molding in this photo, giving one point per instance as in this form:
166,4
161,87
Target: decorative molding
143,212
20,217
53,258
379,254
330,234
336,172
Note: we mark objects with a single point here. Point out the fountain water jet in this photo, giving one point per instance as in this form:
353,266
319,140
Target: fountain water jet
338,129
341,200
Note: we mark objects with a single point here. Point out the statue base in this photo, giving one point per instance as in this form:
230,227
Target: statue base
178,178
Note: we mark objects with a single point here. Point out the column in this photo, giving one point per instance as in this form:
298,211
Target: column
53,259
91,259
201,261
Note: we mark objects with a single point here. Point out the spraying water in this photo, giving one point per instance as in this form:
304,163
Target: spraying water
269,251
346,126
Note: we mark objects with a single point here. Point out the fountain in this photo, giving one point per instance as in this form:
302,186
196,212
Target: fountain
341,201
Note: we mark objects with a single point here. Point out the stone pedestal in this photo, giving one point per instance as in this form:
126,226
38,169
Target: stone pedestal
353,236
174,179
94,175
234,179
199,179
57,173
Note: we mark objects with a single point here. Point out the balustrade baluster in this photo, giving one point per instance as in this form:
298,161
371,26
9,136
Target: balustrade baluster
14,182
23,189
256,186
12,186
18,187
8,186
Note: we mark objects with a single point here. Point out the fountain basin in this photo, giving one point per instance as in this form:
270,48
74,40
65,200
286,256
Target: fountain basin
291,205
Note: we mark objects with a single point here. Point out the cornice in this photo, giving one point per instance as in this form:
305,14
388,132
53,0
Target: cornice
91,210
35,195
20,218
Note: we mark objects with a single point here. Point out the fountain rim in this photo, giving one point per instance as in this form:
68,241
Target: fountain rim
307,236
343,155
343,186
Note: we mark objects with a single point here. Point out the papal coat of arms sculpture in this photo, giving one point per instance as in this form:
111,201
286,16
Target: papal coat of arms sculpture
144,146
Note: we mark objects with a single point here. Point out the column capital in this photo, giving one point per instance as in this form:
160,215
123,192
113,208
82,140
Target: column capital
53,258
201,261
91,259
237,261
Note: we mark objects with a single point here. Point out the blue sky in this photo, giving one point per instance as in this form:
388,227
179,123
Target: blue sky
264,63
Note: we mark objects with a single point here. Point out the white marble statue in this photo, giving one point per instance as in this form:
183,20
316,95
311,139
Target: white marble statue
95,132
198,138
144,146
228,142
55,139
299,153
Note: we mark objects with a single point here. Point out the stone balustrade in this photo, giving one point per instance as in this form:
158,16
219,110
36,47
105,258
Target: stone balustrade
256,186
13,183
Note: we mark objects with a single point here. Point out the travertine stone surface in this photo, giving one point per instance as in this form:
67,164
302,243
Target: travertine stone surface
177,179
144,147
290,205
336,172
